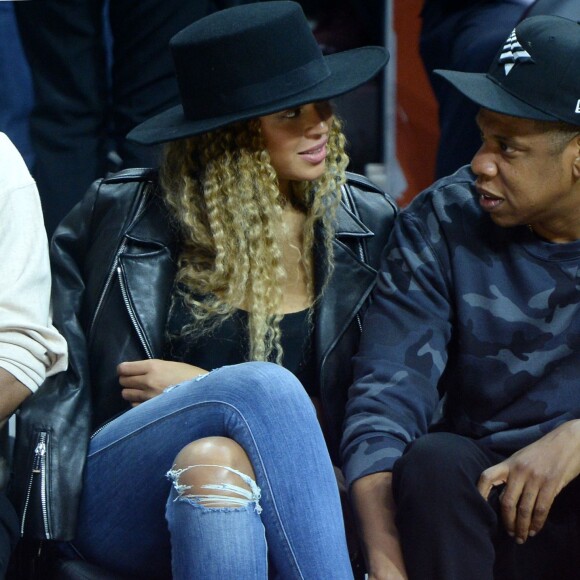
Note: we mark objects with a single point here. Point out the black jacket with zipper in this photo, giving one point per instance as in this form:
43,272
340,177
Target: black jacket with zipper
114,262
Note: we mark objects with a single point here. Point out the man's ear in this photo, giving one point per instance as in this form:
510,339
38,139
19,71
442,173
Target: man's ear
577,158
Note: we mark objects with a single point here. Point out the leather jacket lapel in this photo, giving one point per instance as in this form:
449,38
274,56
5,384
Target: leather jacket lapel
349,285
146,273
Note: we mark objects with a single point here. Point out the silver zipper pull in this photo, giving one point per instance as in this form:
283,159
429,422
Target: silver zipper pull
39,453
40,449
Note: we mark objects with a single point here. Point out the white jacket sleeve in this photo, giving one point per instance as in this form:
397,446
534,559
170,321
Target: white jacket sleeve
30,347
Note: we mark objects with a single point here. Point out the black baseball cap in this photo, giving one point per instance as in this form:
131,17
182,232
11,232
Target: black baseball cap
535,75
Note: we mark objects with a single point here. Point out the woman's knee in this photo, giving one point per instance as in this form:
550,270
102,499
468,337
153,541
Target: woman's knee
215,472
269,379
243,384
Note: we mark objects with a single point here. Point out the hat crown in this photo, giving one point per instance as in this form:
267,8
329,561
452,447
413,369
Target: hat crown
250,55
540,65
248,61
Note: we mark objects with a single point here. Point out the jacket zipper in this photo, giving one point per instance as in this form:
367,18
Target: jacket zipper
124,293
137,328
39,467
132,314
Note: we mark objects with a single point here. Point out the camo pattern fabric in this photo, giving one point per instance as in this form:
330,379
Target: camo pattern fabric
474,329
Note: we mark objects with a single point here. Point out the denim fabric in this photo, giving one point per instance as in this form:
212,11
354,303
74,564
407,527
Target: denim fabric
264,408
216,542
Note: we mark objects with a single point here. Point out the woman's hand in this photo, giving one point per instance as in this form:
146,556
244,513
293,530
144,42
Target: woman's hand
144,379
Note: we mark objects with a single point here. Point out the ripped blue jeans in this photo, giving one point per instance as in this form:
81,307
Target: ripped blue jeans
287,524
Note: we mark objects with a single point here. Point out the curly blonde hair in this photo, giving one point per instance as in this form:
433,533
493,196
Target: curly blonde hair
224,197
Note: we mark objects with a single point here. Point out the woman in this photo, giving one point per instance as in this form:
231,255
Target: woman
240,250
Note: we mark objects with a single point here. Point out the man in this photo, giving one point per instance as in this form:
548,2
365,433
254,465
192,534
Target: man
461,35
30,347
99,68
478,301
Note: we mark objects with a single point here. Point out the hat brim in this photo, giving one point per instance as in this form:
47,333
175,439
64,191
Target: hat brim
489,94
348,70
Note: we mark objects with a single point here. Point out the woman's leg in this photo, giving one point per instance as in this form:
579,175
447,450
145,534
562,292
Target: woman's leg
213,513
266,411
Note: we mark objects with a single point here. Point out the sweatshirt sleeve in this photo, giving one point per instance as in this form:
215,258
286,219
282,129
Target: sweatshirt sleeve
30,347
403,349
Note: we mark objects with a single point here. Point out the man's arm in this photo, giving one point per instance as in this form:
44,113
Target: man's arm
533,477
30,347
12,393
374,506
396,371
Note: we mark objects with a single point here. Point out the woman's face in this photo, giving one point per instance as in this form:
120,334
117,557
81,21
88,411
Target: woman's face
296,141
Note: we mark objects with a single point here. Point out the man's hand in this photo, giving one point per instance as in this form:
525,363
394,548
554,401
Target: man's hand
374,507
533,477
144,379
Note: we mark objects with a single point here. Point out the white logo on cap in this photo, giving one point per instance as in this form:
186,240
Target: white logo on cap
513,53
578,106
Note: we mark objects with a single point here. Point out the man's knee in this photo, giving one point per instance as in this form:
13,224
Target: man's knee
438,461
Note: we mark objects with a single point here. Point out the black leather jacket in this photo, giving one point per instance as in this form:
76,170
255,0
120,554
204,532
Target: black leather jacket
113,261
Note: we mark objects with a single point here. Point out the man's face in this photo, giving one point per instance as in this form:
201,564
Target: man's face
525,175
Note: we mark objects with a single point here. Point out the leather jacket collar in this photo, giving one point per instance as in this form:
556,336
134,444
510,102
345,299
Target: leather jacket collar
147,235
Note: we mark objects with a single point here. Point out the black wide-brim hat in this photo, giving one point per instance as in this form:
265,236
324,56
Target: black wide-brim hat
535,75
249,61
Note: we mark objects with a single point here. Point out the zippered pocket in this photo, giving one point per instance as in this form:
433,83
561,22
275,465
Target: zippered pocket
35,513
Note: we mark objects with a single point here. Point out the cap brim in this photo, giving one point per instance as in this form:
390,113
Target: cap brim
489,94
348,70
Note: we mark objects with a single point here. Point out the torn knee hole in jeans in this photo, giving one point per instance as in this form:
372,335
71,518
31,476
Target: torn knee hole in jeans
237,497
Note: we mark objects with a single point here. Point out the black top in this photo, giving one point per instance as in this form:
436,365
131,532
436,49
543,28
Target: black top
228,344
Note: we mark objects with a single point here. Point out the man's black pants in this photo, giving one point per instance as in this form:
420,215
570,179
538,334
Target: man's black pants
449,532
